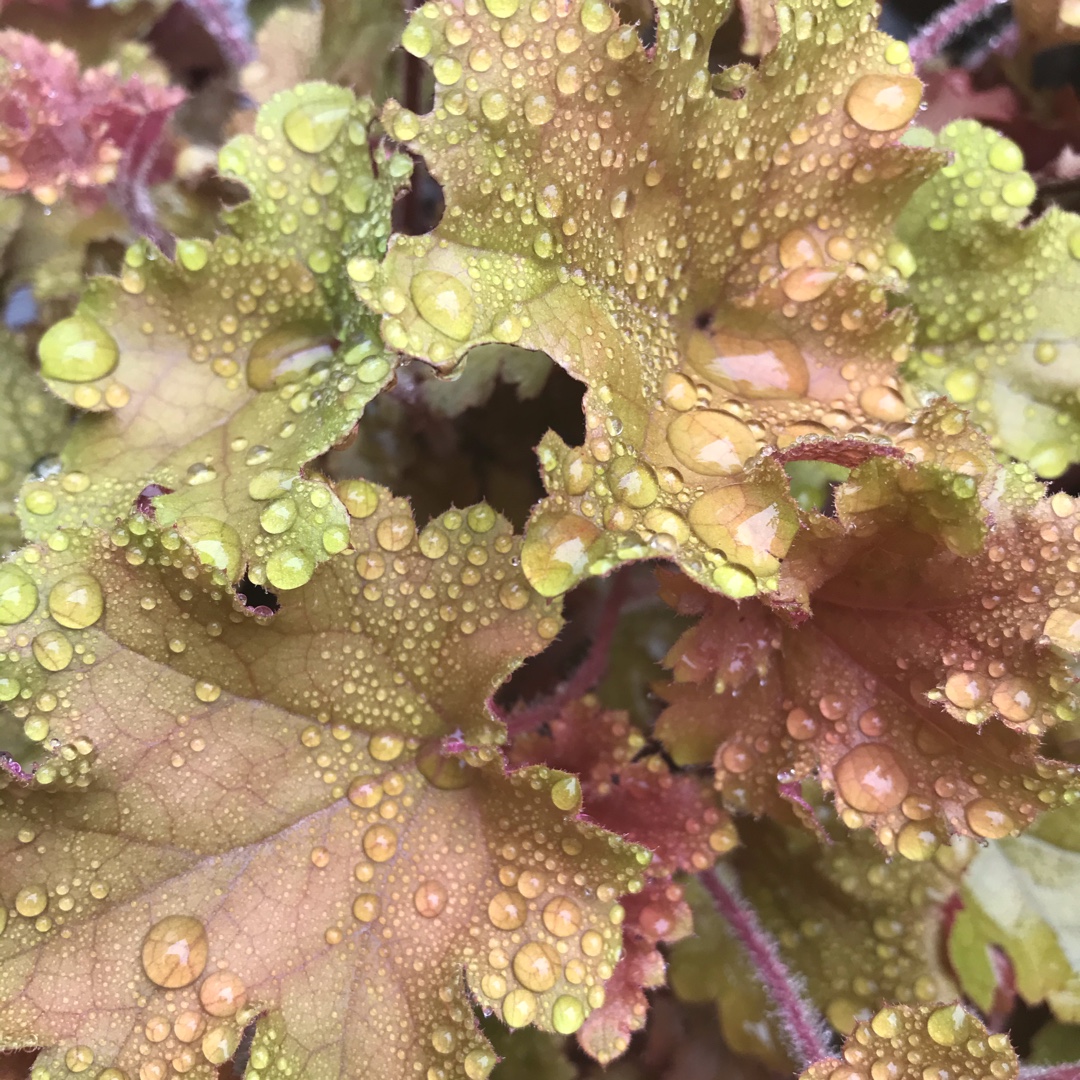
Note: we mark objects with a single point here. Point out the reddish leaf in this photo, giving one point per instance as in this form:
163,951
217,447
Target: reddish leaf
61,129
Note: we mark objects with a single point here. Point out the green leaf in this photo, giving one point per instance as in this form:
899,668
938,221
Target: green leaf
710,264
220,376
913,1043
31,425
1020,894
246,816
994,296
861,929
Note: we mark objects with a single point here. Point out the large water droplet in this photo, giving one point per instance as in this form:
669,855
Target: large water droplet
1062,627
430,898
313,125
76,601
567,1014
223,993
871,779
286,356
555,554
883,102
537,966
18,595
444,302
175,951
710,442
749,367
77,349
506,911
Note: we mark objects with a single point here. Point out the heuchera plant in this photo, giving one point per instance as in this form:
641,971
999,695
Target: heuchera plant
732,733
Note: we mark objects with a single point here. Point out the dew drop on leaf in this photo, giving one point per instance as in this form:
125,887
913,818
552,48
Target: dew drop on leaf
77,349
313,125
18,595
175,951
883,102
871,779
76,601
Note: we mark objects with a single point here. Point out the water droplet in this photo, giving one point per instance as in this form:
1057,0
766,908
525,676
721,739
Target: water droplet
214,542
285,356
749,367
31,901
395,532
76,601
366,907
175,950
556,552
537,966
883,403
871,779
18,595
77,349
566,794
567,1015
1006,156
711,443
443,771
506,911
313,125
562,916
380,843
518,1008
79,1058
883,102
289,569
430,898
966,690
988,820
416,39
193,255
52,650
444,302
223,993
1062,627
948,1026
278,516
479,1063
219,1044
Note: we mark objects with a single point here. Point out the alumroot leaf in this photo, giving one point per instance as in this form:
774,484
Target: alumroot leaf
913,1043
997,326
707,256
938,649
247,816
216,378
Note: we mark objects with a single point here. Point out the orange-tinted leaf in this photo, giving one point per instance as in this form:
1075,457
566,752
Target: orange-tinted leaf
937,652
60,128
913,1043
268,828
710,262
639,798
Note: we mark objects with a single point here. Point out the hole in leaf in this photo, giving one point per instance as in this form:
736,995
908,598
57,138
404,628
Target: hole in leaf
256,598
642,13
144,501
420,209
813,484
730,66
453,443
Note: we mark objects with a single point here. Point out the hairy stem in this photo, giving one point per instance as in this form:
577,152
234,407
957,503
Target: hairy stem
947,24
803,1028
590,671
1070,1071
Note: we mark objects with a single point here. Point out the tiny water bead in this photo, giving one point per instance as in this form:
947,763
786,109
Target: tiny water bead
78,350
175,951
